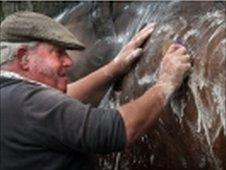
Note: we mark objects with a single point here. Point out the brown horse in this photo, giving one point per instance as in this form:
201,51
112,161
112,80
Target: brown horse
191,133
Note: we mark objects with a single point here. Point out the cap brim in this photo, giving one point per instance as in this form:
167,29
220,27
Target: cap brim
79,47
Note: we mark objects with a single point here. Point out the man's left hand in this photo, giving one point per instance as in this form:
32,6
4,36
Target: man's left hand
132,50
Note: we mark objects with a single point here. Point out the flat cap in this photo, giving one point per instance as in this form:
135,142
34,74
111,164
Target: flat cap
30,26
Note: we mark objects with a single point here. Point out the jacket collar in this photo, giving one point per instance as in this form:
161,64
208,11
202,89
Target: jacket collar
16,76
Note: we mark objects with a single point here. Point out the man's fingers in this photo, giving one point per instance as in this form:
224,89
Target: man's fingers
142,35
149,26
186,69
173,47
181,50
186,66
183,58
139,40
186,58
130,52
146,30
135,54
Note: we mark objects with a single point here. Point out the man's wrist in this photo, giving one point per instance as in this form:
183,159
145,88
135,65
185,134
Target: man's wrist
112,70
167,89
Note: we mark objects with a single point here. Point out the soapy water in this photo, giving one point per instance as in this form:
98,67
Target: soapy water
192,131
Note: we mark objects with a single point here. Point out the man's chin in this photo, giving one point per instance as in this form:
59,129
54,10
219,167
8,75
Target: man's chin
62,86
63,89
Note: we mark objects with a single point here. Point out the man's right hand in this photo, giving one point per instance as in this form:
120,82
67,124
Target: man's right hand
173,67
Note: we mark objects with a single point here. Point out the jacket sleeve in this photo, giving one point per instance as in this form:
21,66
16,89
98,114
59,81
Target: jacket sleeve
62,123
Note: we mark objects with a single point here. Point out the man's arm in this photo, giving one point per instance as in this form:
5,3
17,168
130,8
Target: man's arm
91,88
141,113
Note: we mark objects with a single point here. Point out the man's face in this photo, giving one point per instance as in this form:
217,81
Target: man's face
48,64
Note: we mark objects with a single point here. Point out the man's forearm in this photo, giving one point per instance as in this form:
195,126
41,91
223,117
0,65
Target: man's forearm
91,88
140,114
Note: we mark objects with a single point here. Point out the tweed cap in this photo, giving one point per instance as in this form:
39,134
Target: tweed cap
30,26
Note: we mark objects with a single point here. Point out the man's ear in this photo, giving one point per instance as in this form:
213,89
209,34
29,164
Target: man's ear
22,57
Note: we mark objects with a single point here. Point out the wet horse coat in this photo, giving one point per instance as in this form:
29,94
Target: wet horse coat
191,132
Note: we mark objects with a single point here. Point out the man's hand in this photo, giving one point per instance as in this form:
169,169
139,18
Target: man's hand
174,65
131,51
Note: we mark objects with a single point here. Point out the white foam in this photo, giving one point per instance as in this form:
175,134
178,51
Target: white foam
216,32
218,94
206,115
147,79
118,156
192,32
178,108
165,28
152,158
61,16
215,17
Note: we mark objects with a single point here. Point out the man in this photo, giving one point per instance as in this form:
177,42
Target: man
41,127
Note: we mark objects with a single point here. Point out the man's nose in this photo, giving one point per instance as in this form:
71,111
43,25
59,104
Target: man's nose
67,61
